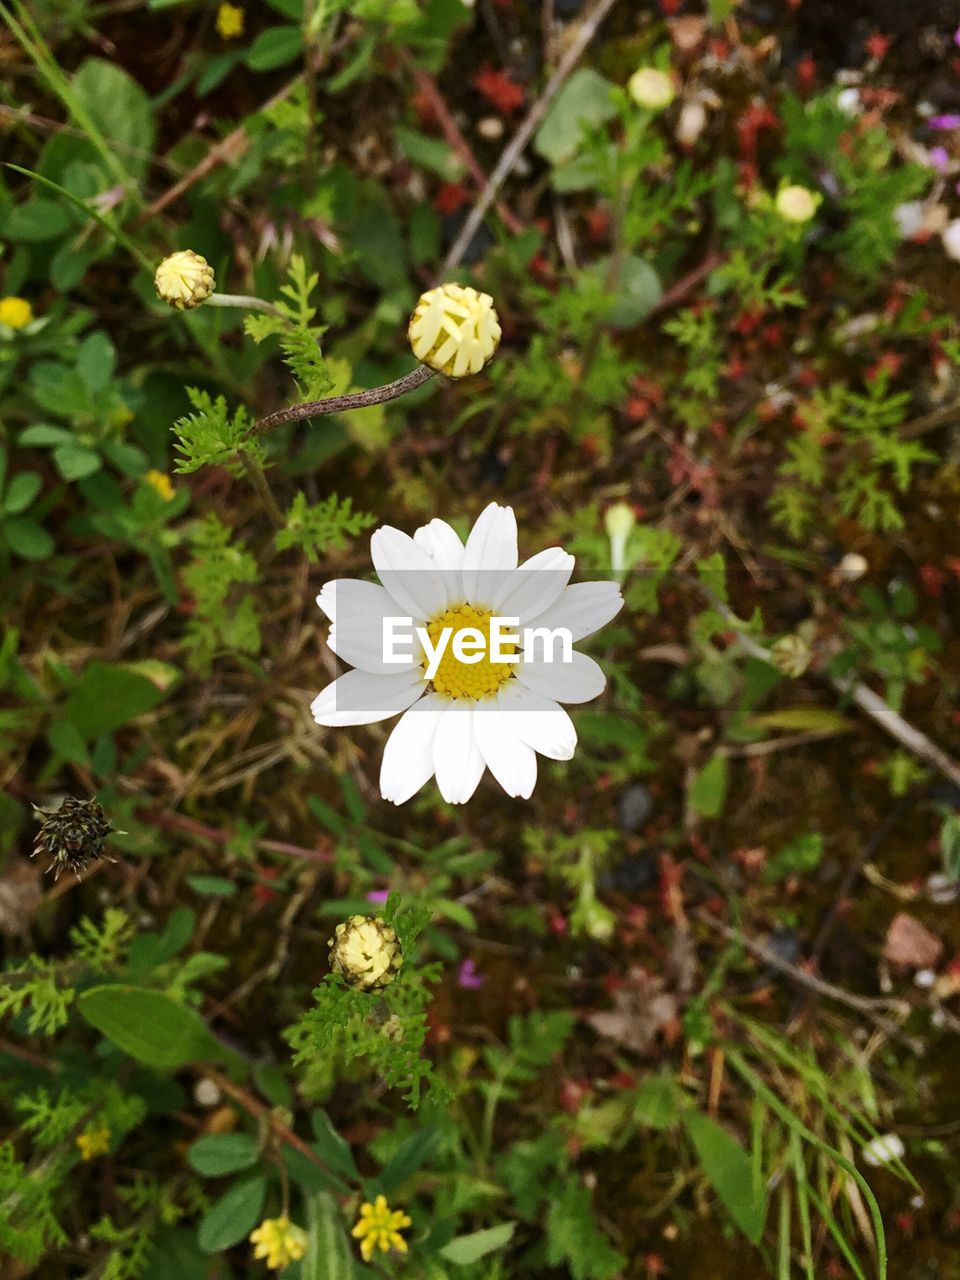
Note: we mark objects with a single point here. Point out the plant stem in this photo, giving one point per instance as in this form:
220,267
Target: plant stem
245,300
337,404
258,478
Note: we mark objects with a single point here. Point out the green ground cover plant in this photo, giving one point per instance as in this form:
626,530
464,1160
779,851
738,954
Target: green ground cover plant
662,986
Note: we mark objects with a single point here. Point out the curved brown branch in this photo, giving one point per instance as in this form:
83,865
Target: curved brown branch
337,404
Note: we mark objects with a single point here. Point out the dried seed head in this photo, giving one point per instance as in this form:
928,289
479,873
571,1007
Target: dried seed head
366,951
72,836
791,655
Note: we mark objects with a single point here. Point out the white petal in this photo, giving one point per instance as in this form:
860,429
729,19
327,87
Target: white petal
535,585
580,680
582,609
408,573
456,756
359,697
359,610
443,545
490,553
408,756
538,721
513,763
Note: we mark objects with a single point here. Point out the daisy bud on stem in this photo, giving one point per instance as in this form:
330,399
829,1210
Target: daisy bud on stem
454,330
365,950
184,281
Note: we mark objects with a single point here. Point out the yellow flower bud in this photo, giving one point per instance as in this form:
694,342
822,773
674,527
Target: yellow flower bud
796,204
279,1242
366,951
15,313
184,280
93,1142
651,88
454,330
791,655
161,483
230,20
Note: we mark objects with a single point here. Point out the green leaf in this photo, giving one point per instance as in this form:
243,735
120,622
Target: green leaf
656,1102
727,1167
75,461
21,491
37,220
119,108
106,697
635,293
583,101
463,1250
27,538
221,1153
328,1255
408,1158
275,47
65,740
709,788
150,1026
45,434
802,720
331,1147
429,153
212,886
96,361
233,1216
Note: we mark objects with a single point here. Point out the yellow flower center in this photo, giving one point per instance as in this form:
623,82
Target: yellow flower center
457,679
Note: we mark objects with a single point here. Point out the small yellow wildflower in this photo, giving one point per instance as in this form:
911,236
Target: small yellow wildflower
184,280
378,1225
651,88
279,1241
454,329
161,483
796,204
93,1142
365,950
230,20
15,312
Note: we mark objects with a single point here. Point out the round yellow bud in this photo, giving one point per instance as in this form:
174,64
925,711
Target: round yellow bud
366,951
651,88
791,655
184,280
796,204
454,329
278,1242
230,21
15,313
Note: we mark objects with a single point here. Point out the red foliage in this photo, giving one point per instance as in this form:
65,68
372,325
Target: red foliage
451,197
499,89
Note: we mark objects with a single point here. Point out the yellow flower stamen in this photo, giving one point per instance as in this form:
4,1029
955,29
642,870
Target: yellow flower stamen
456,679
93,1142
161,483
230,21
379,1227
454,329
279,1242
15,313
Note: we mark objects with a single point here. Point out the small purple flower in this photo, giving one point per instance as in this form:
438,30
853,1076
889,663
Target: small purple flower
938,158
469,976
944,122
956,36
379,896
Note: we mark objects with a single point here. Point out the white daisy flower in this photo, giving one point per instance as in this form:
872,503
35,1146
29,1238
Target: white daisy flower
461,717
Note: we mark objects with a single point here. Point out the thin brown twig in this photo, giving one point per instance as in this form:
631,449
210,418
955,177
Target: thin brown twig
584,33
190,826
260,1111
338,404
